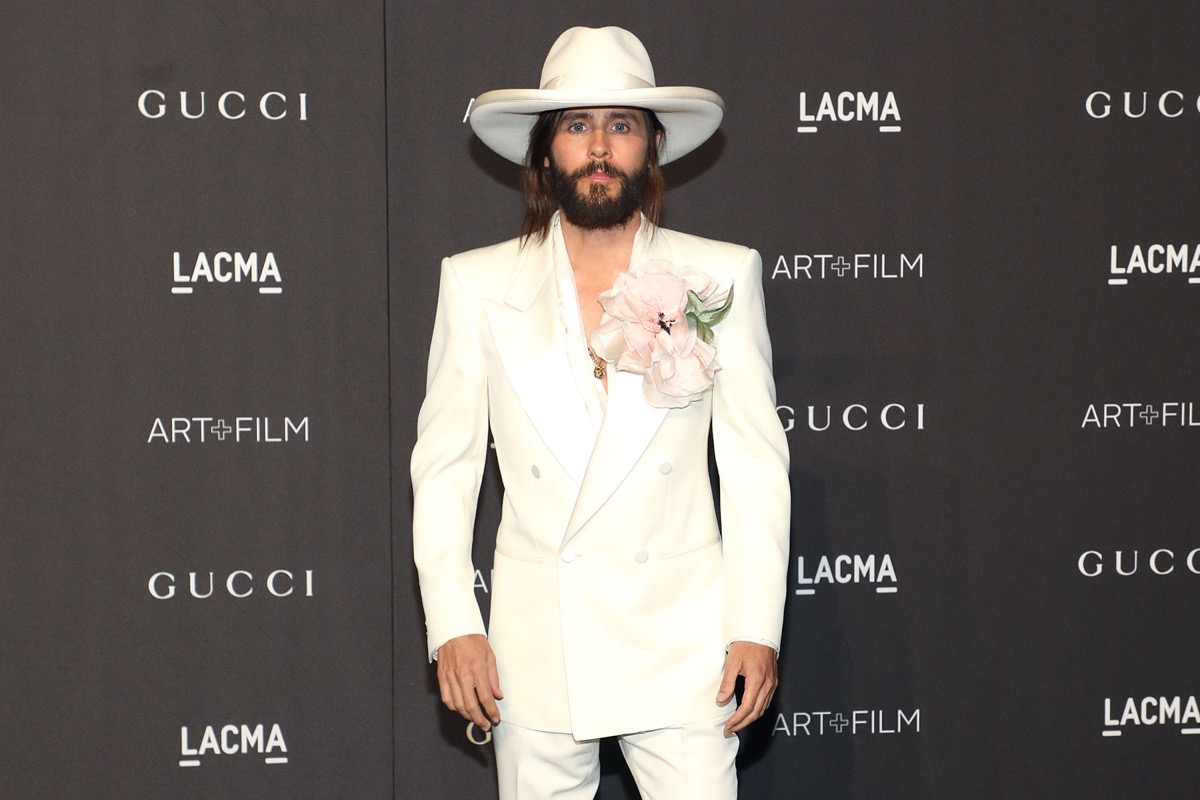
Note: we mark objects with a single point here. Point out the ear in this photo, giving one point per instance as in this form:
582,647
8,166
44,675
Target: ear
546,162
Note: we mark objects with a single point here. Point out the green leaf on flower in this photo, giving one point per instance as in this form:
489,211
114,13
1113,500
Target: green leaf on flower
702,318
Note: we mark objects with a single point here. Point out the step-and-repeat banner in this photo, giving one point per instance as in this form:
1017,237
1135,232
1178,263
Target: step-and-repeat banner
220,229
194,533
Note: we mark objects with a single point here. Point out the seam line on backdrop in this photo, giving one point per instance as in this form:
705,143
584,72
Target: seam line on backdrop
387,273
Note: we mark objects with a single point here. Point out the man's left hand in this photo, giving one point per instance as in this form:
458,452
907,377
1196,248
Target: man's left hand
756,664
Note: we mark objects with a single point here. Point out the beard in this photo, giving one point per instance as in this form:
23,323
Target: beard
596,209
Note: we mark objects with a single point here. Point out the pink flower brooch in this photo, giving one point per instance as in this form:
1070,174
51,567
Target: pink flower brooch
658,323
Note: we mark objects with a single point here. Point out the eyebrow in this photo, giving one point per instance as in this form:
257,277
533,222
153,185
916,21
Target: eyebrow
605,114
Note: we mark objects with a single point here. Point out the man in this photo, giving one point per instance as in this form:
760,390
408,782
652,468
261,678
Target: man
601,350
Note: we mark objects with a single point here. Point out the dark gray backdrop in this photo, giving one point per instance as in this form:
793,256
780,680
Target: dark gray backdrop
99,675
996,654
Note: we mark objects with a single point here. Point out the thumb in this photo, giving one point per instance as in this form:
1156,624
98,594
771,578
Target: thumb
728,680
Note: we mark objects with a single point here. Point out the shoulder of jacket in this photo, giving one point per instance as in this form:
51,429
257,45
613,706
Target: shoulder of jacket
488,268
715,249
720,260
482,257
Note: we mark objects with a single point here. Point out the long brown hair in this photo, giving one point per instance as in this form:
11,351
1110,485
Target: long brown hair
539,200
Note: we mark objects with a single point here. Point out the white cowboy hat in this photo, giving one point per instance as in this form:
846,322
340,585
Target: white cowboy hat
589,67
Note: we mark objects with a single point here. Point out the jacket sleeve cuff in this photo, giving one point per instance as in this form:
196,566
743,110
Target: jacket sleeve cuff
764,642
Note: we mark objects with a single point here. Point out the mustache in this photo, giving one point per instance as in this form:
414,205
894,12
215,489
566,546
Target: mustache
603,167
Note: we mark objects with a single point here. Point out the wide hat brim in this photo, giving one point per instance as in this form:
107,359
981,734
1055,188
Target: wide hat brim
504,117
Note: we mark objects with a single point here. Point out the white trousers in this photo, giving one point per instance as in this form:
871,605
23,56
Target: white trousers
690,762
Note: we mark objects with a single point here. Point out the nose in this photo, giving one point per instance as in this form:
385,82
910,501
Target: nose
598,147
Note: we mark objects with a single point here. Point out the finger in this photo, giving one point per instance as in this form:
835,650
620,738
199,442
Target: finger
760,706
745,714
457,701
741,717
444,689
472,710
766,703
493,711
770,694
765,694
487,701
494,677
738,721
752,688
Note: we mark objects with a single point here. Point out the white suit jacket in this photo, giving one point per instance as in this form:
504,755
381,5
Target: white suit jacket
615,592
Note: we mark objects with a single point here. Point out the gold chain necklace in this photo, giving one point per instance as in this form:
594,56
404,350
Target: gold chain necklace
601,368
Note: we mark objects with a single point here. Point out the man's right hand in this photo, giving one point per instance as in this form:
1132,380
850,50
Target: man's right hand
468,679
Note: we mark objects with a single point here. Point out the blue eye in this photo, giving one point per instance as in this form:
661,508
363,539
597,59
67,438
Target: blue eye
576,126
621,127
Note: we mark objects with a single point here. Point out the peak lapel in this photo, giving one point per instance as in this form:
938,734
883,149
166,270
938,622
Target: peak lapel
529,333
